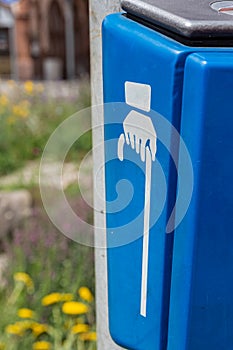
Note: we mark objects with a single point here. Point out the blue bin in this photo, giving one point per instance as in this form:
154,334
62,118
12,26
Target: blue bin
168,71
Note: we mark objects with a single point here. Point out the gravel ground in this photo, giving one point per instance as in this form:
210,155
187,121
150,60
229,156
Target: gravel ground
29,175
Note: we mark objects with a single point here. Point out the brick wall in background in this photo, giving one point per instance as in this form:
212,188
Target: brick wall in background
42,29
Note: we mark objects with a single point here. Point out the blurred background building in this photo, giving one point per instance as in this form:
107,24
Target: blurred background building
6,41
44,39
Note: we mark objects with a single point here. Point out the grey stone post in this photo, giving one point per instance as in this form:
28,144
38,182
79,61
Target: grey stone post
98,10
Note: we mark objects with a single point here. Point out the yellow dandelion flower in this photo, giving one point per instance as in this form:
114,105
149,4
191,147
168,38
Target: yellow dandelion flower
16,110
50,299
26,313
85,294
24,113
11,120
20,111
29,87
16,329
80,328
38,329
24,278
90,336
41,345
13,329
2,346
3,101
74,308
56,298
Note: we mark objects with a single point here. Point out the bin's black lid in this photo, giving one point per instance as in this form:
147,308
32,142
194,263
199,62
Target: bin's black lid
193,19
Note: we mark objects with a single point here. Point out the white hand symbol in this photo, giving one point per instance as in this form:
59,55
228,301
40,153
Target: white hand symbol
140,134
139,130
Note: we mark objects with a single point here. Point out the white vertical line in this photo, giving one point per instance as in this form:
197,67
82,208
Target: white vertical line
120,149
146,229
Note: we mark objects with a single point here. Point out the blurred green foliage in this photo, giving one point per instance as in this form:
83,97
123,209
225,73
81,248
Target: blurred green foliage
28,116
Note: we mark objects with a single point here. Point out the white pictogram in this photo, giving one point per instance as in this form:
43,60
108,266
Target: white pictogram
140,134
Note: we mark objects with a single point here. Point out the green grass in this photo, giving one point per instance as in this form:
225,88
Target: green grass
28,120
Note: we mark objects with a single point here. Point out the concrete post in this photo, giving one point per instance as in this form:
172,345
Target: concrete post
98,10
